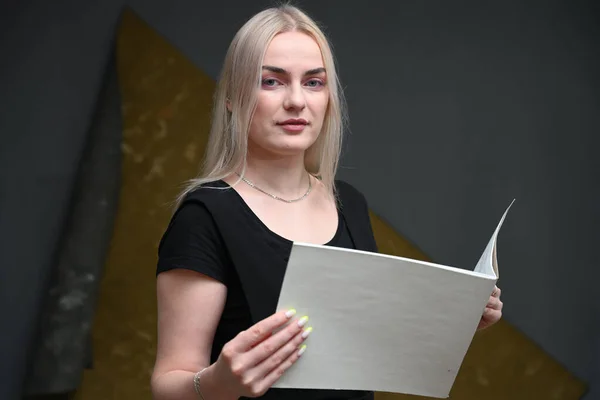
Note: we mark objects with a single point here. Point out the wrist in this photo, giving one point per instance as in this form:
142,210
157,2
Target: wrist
211,388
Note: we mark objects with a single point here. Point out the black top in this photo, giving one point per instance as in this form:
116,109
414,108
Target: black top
214,232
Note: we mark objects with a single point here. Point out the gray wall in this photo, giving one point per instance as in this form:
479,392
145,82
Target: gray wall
455,110
52,60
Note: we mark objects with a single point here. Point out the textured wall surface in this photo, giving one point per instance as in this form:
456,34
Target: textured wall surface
63,346
166,105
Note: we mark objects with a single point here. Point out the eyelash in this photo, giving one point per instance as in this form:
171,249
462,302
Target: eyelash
318,81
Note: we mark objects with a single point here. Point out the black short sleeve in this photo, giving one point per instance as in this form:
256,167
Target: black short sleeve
192,241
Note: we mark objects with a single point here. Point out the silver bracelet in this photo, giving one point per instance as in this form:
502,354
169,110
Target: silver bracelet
197,383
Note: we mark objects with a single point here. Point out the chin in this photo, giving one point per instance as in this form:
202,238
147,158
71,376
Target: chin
295,144
288,145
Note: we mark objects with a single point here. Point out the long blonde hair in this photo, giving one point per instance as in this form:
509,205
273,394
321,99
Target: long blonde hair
237,87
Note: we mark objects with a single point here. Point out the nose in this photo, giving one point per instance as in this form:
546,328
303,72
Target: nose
294,99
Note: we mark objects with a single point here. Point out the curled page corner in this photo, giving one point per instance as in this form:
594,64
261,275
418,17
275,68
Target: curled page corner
488,262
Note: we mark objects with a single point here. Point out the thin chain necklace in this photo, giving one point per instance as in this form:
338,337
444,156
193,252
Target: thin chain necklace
252,185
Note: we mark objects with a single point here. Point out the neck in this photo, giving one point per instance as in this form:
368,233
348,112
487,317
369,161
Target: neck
282,176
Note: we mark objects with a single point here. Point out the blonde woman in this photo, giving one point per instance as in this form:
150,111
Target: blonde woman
268,180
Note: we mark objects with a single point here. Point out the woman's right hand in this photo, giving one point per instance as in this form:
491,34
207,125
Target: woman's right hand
254,360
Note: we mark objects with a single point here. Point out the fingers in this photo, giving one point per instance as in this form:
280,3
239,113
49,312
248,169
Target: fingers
496,292
493,310
278,371
261,350
287,348
269,347
491,316
261,330
494,303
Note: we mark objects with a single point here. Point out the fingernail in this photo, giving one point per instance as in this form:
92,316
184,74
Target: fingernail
302,350
306,332
290,313
302,321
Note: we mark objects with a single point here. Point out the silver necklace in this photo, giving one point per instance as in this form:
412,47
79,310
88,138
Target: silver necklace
252,185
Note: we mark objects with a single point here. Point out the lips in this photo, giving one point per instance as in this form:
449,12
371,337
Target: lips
294,121
293,125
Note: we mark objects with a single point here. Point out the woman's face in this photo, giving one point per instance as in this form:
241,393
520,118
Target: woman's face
292,99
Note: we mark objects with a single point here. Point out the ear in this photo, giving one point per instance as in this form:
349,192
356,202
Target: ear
228,104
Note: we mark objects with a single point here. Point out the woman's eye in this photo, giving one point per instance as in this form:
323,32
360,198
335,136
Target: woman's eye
314,83
269,82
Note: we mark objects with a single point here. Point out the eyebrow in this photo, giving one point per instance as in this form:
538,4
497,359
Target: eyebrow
278,70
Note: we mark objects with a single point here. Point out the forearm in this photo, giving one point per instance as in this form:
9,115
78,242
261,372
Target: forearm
179,385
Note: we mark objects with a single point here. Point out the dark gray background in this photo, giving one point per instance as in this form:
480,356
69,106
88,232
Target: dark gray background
456,108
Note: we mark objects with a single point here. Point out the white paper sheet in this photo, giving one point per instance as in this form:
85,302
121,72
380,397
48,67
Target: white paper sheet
383,323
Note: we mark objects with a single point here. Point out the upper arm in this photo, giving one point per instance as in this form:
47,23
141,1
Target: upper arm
191,290
190,305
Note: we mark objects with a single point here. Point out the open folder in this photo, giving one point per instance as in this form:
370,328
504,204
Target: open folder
384,323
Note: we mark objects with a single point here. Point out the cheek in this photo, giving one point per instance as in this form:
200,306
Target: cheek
320,103
266,106
320,110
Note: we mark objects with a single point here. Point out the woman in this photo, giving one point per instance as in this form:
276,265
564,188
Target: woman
268,180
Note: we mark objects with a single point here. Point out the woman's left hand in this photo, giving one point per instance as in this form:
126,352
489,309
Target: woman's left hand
493,310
